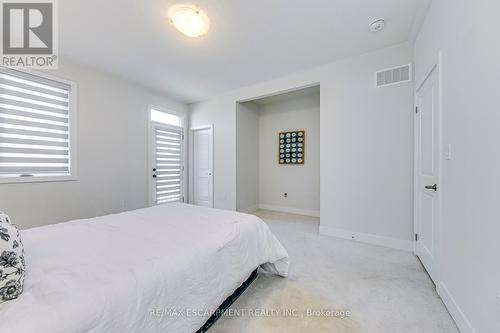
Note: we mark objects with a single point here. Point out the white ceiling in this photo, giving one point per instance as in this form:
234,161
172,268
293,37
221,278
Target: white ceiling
250,40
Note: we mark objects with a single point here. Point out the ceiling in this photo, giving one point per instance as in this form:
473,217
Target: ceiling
249,41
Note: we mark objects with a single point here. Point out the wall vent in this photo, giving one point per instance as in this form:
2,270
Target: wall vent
391,76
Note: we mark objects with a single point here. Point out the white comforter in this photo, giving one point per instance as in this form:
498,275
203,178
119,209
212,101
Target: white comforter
149,270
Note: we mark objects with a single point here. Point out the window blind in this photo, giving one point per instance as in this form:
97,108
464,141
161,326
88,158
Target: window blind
168,161
34,126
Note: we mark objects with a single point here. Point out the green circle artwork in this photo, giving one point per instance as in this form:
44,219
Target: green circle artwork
291,147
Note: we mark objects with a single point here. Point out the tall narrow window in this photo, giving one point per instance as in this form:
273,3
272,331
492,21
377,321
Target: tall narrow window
36,128
167,157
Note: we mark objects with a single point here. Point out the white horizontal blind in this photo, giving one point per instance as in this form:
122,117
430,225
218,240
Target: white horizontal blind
34,126
168,163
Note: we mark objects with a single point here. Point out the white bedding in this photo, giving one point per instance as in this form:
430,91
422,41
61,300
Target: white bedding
125,272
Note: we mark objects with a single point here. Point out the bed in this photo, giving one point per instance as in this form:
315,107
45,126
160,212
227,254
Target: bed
159,269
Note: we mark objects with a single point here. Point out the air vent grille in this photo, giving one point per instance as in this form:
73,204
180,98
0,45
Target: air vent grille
391,76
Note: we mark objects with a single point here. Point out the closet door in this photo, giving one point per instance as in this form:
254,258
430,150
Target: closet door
202,164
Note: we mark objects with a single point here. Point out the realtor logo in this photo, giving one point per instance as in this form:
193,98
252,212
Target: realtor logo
29,34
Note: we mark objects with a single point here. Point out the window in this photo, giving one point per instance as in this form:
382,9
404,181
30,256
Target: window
36,128
165,118
166,157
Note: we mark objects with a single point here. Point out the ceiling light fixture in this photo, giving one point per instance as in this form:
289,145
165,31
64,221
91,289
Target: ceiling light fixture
189,20
377,25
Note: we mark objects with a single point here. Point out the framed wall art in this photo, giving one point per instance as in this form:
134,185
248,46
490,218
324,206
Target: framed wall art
292,147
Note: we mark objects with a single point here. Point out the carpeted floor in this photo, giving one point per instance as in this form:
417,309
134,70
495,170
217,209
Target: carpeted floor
352,288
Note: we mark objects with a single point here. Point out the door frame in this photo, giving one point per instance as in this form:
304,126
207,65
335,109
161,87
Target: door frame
191,160
149,125
438,67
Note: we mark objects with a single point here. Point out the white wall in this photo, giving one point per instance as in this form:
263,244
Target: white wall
300,182
366,144
367,150
112,154
247,156
216,112
469,276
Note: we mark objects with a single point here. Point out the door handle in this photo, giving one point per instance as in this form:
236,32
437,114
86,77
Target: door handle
432,187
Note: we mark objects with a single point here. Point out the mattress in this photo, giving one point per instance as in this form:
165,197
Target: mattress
159,269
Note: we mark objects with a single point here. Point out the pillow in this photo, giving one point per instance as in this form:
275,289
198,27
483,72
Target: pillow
12,265
4,218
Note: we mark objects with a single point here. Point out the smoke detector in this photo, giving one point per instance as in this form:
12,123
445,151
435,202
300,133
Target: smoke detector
377,25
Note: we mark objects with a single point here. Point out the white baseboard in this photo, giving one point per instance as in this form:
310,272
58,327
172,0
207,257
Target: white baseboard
394,243
456,313
249,210
298,211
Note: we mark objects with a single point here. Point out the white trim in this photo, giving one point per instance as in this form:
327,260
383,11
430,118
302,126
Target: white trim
390,242
455,311
437,268
34,179
297,211
73,133
190,159
150,149
184,125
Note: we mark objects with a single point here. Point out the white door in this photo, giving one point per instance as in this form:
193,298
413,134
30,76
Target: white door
202,166
427,142
167,151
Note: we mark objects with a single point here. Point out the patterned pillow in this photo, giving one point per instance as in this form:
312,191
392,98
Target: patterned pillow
12,265
4,218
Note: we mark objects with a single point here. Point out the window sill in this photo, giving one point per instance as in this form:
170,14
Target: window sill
15,180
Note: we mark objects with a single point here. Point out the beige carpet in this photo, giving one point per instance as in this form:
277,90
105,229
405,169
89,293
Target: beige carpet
281,305
385,290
